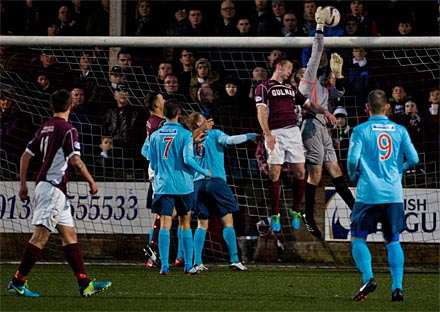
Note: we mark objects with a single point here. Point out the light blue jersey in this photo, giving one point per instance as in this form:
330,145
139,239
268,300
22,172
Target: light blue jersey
210,152
376,160
172,159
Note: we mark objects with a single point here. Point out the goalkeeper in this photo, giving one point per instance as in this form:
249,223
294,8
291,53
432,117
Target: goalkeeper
212,196
317,142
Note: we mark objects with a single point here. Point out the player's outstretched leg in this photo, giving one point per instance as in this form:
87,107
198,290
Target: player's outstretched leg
308,217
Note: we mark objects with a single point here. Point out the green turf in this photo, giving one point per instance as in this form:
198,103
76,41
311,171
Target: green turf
136,288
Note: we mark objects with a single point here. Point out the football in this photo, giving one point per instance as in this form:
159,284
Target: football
333,16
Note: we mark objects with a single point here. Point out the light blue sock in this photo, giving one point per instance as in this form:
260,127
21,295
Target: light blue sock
151,235
231,242
164,246
180,253
187,246
362,257
199,241
396,260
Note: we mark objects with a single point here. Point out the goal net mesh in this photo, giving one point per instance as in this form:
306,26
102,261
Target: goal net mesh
115,224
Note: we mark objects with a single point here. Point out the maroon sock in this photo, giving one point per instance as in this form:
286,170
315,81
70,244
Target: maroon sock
75,259
156,228
299,189
29,257
275,188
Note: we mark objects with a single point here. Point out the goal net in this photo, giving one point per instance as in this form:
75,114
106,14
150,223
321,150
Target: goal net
115,224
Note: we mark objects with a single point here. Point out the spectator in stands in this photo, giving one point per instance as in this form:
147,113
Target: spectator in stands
58,74
164,69
308,17
79,118
106,147
406,27
31,20
204,74
415,125
245,27
68,26
8,114
291,28
187,59
146,23
226,25
15,128
134,75
231,105
79,111
367,24
266,24
206,100
84,75
340,134
43,83
434,99
278,10
6,19
397,100
98,23
126,124
171,84
105,97
274,55
80,13
351,26
197,26
433,125
53,29
359,76
259,74
180,21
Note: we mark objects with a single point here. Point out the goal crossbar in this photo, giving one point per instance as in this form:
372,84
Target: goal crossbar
221,42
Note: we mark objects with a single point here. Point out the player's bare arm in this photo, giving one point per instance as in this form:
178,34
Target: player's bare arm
261,113
24,165
81,169
319,110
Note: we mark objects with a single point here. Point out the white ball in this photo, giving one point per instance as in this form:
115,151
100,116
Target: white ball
333,16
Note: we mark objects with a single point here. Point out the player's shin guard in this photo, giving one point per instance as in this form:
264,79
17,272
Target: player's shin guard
187,244
199,241
362,257
343,190
396,261
299,188
164,246
275,188
231,242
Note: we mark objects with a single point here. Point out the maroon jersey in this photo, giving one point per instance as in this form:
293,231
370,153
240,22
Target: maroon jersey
280,100
55,142
154,123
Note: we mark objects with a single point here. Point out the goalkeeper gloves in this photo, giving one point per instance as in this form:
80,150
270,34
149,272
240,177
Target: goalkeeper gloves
320,16
336,62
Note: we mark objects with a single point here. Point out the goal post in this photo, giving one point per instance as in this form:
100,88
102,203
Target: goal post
114,225
221,42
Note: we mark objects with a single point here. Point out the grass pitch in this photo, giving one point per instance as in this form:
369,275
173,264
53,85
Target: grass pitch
261,288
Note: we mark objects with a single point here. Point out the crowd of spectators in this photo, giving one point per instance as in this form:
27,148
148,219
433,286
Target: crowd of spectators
110,92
